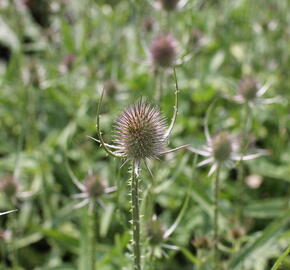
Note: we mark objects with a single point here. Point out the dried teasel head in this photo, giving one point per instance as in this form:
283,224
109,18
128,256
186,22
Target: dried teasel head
9,185
95,186
163,51
248,88
222,146
168,5
140,132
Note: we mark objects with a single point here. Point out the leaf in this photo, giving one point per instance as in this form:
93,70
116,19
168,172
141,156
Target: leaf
7,212
281,259
270,232
106,219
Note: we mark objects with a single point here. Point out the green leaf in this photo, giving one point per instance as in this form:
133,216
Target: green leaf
281,259
269,233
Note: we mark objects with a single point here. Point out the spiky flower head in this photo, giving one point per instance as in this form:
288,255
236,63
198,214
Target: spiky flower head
222,146
9,185
168,5
141,132
95,186
163,51
248,88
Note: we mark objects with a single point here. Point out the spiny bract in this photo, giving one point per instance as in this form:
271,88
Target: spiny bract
140,132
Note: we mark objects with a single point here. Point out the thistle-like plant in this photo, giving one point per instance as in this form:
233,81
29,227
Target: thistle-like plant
251,92
92,191
141,134
220,150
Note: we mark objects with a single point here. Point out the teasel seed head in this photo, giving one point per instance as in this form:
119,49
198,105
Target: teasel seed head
202,242
168,5
9,185
163,51
248,88
237,232
111,88
222,146
155,231
140,132
95,186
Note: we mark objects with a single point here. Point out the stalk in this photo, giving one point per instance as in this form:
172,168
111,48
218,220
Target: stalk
135,216
241,183
216,216
92,236
160,78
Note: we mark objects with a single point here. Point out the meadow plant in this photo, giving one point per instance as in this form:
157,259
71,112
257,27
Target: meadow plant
140,134
221,149
92,190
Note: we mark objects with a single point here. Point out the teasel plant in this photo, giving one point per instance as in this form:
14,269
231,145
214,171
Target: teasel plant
140,135
250,94
92,191
220,150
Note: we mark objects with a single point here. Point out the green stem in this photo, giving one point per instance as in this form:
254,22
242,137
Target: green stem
135,216
216,216
92,236
241,171
160,77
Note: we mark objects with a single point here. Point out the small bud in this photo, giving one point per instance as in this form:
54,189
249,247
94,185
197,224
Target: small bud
95,186
110,87
9,185
237,232
140,132
168,5
222,146
148,25
196,36
248,88
202,242
163,51
155,231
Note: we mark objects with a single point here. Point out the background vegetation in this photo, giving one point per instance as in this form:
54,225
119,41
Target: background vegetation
53,64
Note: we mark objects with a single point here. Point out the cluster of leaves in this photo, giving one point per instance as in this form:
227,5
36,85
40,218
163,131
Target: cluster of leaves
51,73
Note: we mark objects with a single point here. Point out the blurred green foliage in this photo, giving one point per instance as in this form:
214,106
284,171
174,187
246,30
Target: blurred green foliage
51,76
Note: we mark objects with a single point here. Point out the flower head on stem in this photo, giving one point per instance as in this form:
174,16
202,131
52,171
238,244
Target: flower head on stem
250,91
141,134
221,148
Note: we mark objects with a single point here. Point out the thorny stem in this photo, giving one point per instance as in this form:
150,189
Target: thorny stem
160,79
135,216
216,215
92,235
99,131
175,106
